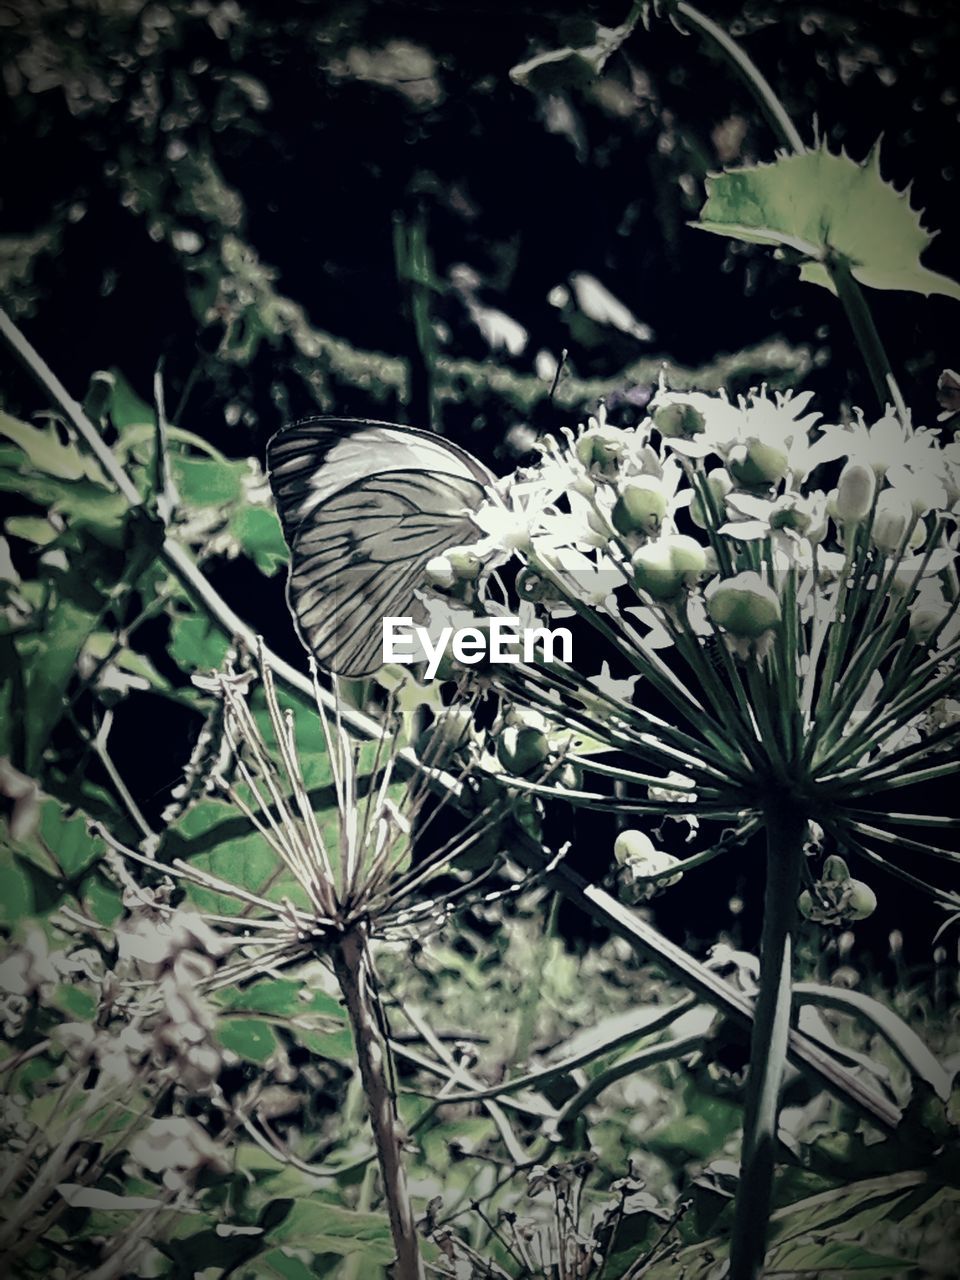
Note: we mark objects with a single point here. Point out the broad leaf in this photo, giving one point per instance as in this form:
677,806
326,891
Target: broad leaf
818,203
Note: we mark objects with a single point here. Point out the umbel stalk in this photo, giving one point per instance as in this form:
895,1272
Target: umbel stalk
785,829
352,966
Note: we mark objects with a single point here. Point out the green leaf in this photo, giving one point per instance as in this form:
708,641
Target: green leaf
258,532
49,656
196,643
16,890
282,998
818,203
35,529
42,446
101,899
826,1258
68,838
204,482
126,407
902,1039
327,1228
277,1263
75,1002
250,1038
218,839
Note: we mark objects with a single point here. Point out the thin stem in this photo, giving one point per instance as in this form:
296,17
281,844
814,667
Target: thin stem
847,289
352,965
757,83
865,331
768,1041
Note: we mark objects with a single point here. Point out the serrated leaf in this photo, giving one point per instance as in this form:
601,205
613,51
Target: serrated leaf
817,203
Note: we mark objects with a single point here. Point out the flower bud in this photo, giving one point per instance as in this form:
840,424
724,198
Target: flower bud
835,870
744,605
676,420
861,901
531,586
925,620
687,556
601,447
855,492
654,572
757,463
465,562
893,516
641,506
633,844
522,750
791,511
639,859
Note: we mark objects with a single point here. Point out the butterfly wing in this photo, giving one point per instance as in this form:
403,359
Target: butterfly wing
364,506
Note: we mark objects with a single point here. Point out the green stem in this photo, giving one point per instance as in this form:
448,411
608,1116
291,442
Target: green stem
768,1042
865,331
747,69
848,290
352,965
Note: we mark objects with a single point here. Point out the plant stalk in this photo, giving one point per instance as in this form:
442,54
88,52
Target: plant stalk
352,965
848,290
785,827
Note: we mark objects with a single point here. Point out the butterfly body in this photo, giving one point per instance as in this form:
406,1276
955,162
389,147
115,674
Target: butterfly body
364,506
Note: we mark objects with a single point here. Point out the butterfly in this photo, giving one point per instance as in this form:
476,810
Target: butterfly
364,506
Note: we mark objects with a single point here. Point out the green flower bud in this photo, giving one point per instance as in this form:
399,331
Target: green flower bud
925,621
855,493
861,901
893,516
465,562
791,511
806,905
719,484
522,750
601,447
451,731
835,870
675,420
687,556
641,506
531,586
654,572
631,845
744,605
757,463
